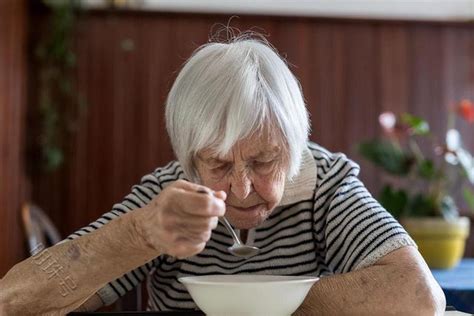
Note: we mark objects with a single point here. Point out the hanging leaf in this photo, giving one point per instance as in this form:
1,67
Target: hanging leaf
58,103
54,158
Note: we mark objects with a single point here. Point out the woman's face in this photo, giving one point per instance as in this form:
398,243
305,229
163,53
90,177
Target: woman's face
252,174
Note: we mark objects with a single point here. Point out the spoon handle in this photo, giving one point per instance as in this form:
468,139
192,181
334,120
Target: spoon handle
224,221
227,225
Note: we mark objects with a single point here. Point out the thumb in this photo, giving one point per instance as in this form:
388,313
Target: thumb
220,194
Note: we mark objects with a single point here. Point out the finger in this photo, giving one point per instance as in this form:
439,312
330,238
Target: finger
199,204
188,251
193,238
198,224
190,186
197,237
214,222
221,195
218,194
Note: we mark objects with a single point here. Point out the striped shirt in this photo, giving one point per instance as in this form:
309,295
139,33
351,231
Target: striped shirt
327,223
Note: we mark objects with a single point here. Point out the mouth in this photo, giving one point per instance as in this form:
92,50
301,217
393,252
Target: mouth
246,209
247,217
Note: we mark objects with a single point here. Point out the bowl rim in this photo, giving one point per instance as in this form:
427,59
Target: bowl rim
273,279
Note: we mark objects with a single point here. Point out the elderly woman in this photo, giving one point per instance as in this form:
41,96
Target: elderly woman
239,128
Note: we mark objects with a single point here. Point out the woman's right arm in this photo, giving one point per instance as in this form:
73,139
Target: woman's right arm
61,278
177,222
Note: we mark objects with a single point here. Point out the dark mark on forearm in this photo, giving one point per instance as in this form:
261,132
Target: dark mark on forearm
74,252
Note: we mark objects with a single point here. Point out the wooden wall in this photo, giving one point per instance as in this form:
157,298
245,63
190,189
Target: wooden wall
350,72
12,114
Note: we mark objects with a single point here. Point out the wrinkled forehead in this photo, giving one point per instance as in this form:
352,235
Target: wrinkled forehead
265,141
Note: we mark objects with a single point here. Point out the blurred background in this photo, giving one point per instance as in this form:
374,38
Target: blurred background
82,89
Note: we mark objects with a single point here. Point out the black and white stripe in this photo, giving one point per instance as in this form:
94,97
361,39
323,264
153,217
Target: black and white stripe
340,229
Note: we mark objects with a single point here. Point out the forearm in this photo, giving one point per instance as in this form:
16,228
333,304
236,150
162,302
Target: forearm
376,290
92,304
61,278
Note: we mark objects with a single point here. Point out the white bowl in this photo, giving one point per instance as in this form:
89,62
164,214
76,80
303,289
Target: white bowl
250,295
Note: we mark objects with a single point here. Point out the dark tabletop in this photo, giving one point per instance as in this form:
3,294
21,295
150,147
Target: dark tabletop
180,313
190,313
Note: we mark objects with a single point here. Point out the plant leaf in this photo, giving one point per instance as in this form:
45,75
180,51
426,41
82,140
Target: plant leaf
387,156
426,169
469,198
54,158
417,124
449,210
422,205
393,201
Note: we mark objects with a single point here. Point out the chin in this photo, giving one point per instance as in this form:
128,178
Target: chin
246,224
247,220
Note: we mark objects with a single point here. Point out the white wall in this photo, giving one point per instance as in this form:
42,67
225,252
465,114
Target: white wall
434,10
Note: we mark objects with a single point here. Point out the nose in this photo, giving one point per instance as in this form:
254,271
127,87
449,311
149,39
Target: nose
241,185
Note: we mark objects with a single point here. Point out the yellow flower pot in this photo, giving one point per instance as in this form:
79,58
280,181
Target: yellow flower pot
440,242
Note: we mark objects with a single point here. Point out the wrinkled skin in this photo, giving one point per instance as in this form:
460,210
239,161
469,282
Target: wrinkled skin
252,175
246,185
179,221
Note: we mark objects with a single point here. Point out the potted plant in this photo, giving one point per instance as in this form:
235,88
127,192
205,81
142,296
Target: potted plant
425,176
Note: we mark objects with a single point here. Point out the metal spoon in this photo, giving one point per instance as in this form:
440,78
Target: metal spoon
238,249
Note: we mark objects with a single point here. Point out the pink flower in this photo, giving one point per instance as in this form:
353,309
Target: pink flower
387,120
392,126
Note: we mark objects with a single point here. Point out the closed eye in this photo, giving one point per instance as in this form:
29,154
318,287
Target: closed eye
264,165
220,168
262,162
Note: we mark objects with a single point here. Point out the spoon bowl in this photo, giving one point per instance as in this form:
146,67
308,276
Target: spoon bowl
238,249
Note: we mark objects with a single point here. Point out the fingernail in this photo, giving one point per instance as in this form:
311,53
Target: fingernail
225,194
201,190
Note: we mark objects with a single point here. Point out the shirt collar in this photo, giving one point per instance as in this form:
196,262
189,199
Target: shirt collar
302,186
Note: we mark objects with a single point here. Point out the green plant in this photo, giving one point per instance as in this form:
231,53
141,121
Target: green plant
58,102
421,184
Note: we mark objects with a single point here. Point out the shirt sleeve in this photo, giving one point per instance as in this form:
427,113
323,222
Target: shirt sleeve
140,195
356,229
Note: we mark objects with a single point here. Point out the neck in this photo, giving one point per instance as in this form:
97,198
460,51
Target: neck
244,233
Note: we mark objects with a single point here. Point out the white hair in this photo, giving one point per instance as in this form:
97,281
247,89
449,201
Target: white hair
226,92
